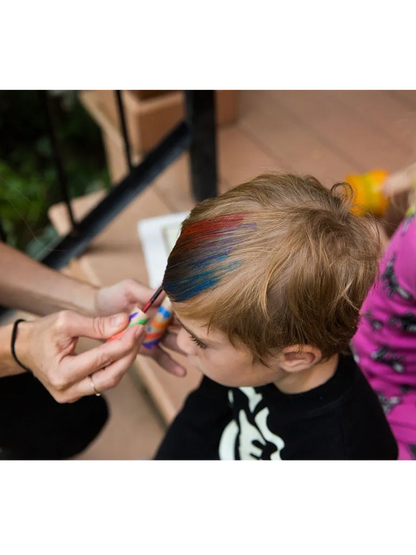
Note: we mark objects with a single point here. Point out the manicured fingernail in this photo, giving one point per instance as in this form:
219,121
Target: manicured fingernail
139,331
116,320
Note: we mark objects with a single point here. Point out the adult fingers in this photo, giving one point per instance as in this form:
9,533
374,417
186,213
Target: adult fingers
105,379
393,187
170,341
137,292
78,367
398,183
77,325
164,360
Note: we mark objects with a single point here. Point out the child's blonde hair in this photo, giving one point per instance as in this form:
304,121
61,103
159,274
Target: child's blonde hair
275,262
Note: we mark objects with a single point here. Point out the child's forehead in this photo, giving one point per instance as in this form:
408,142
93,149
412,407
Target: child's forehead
199,328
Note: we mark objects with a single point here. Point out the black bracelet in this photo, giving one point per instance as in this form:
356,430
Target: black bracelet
13,341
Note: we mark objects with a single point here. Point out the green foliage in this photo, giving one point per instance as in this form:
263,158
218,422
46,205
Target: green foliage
28,181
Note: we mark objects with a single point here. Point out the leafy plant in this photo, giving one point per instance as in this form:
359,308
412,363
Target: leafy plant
29,183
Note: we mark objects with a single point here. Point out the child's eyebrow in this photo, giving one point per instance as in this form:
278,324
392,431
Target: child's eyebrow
189,331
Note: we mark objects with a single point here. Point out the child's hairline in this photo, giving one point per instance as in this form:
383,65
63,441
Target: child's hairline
208,292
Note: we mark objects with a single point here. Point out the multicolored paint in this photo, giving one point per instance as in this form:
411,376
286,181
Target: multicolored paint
136,317
158,326
200,258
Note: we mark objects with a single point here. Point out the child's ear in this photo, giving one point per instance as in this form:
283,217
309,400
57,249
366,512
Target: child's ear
297,358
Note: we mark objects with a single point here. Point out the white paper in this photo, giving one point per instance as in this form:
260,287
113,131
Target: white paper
158,237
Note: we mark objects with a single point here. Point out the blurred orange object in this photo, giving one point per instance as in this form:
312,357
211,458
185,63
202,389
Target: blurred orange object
368,195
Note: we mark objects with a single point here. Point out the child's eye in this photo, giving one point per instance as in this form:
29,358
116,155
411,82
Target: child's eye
198,342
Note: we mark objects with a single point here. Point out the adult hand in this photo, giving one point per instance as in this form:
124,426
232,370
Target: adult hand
126,295
122,297
159,354
47,346
400,181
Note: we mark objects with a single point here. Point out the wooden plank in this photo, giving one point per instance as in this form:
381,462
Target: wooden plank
148,121
296,146
239,159
385,113
406,97
341,129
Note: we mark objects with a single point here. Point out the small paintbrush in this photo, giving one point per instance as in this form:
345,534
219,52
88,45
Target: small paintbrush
138,316
152,300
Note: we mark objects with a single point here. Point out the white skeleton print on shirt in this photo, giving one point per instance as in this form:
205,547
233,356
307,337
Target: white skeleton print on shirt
248,437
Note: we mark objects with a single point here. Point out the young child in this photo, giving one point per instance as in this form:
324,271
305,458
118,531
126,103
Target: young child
385,344
267,281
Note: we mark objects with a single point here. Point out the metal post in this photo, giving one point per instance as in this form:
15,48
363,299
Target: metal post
122,116
73,245
57,157
200,108
3,234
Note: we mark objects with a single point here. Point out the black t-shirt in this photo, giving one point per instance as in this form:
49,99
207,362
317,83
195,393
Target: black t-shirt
341,419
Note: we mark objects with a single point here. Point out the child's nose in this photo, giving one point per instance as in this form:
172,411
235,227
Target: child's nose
185,343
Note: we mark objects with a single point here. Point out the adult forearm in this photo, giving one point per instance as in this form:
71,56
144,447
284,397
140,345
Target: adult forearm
28,285
8,366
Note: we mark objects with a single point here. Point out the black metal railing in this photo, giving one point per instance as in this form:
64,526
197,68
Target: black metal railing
123,125
3,234
56,154
196,133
